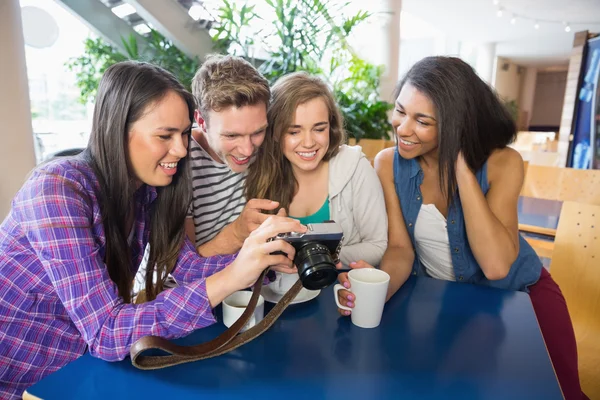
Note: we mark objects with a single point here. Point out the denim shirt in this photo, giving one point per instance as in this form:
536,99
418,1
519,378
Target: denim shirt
408,177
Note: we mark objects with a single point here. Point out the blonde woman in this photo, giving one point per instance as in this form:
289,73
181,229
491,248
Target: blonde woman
304,165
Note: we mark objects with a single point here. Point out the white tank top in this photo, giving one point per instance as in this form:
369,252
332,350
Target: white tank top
433,246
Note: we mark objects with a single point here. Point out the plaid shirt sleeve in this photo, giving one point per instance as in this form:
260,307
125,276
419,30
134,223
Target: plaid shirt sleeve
58,218
191,266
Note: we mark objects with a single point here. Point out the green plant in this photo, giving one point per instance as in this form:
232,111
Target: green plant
156,49
90,66
357,93
305,37
231,35
365,119
513,108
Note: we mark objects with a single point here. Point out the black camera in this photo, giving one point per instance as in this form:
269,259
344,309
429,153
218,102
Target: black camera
317,253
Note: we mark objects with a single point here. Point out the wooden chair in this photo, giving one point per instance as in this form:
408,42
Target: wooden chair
575,267
542,182
543,248
370,147
581,185
565,184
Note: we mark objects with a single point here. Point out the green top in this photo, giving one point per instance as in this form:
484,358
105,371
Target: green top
321,215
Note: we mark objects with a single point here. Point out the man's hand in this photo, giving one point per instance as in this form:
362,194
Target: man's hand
251,218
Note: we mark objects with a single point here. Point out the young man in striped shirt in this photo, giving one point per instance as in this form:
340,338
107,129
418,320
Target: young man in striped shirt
232,98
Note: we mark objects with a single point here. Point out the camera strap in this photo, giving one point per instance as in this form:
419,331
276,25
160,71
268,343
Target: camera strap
229,340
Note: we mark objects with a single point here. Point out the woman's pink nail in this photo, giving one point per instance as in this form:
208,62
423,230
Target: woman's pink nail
349,297
346,285
349,304
347,312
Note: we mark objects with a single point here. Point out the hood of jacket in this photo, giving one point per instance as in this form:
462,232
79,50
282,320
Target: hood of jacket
342,167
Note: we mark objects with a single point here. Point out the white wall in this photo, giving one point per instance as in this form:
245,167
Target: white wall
17,156
420,39
527,96
377,40
507,81
484,64
549,96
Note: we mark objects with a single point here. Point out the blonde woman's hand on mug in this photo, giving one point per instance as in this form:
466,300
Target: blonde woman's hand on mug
346,297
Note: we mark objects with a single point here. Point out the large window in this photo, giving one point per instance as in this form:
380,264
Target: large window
59,120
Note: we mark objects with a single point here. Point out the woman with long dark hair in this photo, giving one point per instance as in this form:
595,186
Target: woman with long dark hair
451,189
77,230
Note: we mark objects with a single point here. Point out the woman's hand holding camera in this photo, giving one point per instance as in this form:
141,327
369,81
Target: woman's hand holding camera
256,253
346,297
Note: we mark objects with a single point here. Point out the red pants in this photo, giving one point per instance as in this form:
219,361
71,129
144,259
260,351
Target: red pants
555,323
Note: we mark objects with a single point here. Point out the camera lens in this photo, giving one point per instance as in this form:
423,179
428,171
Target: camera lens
315,266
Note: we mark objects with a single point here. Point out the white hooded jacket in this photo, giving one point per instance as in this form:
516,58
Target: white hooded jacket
356,203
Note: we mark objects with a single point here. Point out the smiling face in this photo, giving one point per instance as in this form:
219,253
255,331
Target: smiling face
415,124
158,140
235,134
307,138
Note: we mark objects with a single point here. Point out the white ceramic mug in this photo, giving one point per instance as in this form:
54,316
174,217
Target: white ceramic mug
369,286
235,304
283,282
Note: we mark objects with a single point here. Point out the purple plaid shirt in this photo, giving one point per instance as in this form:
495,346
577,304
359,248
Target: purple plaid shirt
56,297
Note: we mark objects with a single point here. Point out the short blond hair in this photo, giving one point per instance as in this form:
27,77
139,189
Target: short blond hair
226,81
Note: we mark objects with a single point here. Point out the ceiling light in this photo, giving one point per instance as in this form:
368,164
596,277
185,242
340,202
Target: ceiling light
199,12
567,28
123,10
142,29
499,13
536,25
496,2
196,11
513,20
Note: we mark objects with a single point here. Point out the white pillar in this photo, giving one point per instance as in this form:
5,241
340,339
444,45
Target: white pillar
527,96
486,58
391,38
17,155
378,40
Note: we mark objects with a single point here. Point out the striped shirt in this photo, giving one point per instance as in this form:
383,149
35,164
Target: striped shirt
57,300
218,197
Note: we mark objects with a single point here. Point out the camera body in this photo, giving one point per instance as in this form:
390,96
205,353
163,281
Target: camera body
317,253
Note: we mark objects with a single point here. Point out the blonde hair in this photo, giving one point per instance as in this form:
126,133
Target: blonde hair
271,176
226,81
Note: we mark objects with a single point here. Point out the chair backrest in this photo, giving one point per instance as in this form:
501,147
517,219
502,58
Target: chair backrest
542,182
581,185
370,147
565,184
576,258
65,153
575,267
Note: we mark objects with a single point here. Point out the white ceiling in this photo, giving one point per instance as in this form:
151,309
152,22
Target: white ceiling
476,21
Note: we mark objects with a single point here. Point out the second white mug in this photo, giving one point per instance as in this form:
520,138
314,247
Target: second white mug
235,304
369,286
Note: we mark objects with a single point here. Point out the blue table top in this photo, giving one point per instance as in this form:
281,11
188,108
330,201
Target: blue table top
437,339
542,213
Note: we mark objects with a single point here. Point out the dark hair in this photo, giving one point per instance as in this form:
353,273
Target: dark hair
125,92
471,118
271,176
